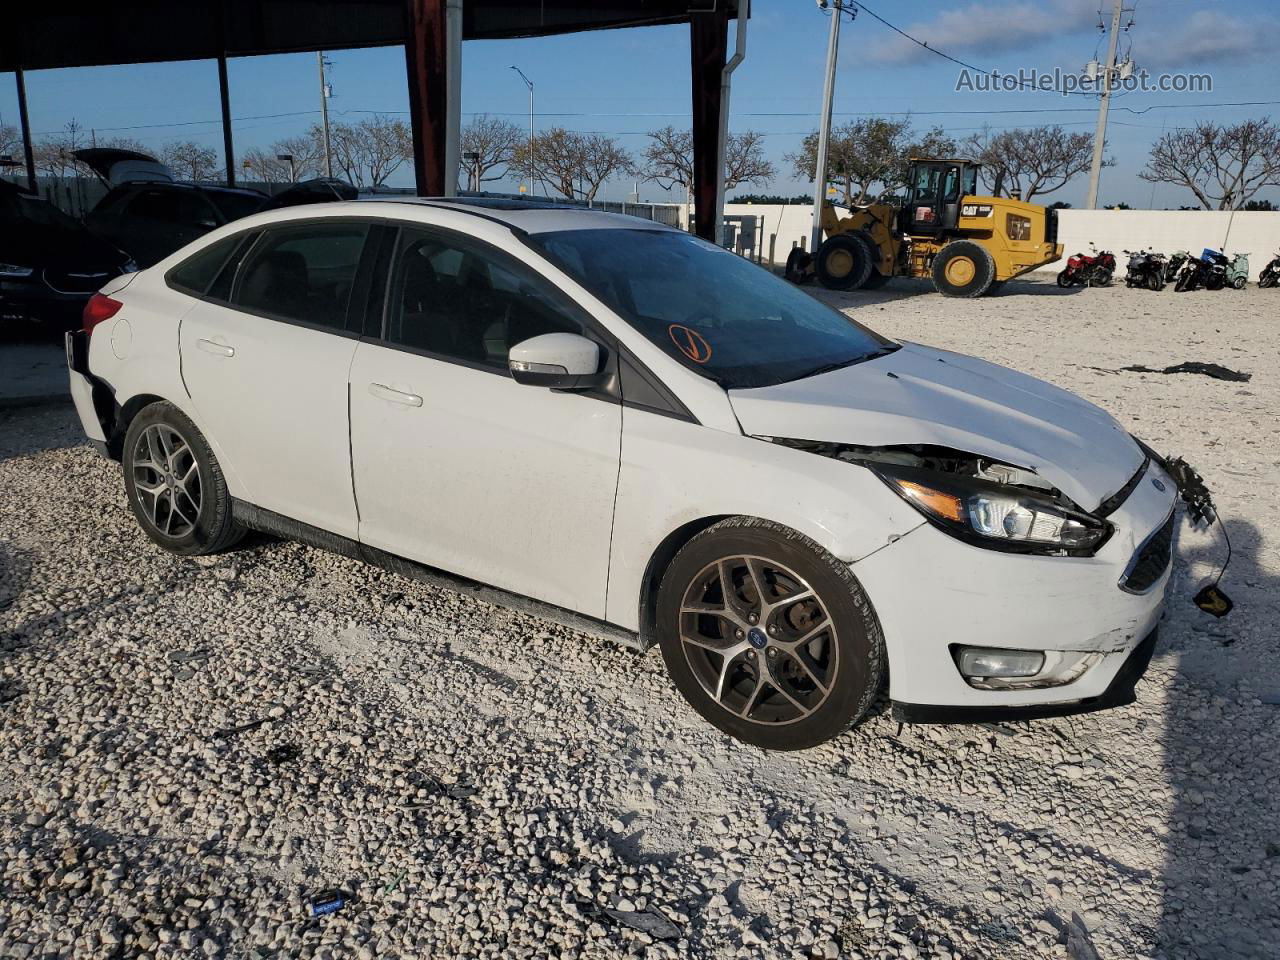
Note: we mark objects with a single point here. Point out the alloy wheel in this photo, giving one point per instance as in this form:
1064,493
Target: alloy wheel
759,640
166,476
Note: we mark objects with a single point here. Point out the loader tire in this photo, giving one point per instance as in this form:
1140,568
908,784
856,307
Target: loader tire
963,269
843,263
799,267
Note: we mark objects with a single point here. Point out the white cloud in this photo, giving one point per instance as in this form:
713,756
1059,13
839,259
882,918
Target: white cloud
1205,38
978,31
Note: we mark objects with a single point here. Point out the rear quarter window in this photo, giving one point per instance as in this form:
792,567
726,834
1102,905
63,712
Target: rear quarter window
196,274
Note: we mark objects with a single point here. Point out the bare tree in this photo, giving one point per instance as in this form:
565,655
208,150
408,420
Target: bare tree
10,141
190,160
494,141
1222,166
1033,160
368,152
264,164
574,164
860,154
53,155
668,159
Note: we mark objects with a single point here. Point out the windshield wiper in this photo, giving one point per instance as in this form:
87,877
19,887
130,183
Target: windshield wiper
887,349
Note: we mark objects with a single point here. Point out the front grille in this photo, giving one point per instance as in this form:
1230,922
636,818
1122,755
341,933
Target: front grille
66,281
1151,559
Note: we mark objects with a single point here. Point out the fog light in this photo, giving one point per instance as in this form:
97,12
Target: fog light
987,662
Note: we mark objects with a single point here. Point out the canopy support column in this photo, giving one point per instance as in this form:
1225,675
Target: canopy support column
708,49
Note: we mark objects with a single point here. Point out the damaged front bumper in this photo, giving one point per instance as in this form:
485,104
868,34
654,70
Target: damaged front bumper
960,595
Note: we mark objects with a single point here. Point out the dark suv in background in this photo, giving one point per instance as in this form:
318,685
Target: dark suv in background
149,214
49,263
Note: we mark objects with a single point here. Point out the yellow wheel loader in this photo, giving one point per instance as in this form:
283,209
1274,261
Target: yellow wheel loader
968,245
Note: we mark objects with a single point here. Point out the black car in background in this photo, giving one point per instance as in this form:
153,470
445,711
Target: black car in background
49,263
149,214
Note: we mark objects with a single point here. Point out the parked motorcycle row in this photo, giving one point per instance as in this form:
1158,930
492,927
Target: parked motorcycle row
1148,270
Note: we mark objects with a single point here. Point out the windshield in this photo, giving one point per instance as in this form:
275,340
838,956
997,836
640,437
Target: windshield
715,312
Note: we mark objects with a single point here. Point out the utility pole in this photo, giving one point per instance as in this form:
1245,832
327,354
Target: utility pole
324,116
824,130
1100,134
528,83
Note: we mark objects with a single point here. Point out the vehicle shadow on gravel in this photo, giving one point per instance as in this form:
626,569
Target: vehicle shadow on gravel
15,574
906,288
1222,848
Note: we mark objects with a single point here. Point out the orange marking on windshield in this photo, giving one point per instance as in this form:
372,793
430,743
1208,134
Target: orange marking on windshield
689,342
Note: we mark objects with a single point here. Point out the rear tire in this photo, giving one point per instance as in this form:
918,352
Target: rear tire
1239,283
842,263
1155,281
793,674
799,266
175,487
1064,278
963,269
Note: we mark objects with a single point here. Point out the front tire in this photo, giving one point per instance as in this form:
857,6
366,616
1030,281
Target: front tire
768,636
175,487
963,269
842,263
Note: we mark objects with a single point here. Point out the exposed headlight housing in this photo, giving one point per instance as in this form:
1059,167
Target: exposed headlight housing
15,270
995,515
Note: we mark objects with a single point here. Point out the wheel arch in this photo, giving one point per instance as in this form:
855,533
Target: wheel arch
657,566
124,415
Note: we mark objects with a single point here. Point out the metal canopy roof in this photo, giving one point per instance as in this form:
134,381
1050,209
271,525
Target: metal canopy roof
76,33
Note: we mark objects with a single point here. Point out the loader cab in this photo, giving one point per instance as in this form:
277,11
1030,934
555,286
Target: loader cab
935,189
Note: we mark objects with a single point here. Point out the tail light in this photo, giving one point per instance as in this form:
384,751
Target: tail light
100,307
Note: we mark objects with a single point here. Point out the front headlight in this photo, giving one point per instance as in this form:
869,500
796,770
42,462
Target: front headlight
14,270
994,515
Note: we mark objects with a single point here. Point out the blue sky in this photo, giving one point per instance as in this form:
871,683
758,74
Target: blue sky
626,82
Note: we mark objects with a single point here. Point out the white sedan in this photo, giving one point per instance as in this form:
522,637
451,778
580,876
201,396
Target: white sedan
645,435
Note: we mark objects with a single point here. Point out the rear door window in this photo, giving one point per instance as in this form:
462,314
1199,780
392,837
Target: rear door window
303,273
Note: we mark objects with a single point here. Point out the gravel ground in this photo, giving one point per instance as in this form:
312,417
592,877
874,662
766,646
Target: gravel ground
189,749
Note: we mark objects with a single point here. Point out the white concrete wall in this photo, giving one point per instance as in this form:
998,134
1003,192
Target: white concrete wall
1251,232
1242,231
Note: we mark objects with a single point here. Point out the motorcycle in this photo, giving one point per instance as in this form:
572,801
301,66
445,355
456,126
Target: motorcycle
1145,269
1191,275
1215,277
1092,270
1238,271
1270,275
1176,260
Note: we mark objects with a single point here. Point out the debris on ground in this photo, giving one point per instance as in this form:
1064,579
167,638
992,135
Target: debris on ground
646,921
1214,370
227,732
326,902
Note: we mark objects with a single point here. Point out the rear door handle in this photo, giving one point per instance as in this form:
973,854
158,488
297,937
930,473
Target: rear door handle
217,349
383,392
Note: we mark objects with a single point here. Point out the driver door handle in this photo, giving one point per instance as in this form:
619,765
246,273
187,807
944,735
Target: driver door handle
383,392
217,349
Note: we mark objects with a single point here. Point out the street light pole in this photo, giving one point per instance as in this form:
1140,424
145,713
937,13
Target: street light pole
324,116
528,83
824,130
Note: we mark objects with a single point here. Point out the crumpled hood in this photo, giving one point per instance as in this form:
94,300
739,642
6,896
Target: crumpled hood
922,395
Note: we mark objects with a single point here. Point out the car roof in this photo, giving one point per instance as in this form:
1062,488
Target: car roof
183,185
528,216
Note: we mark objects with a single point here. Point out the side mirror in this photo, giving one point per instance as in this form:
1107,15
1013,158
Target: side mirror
560,361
